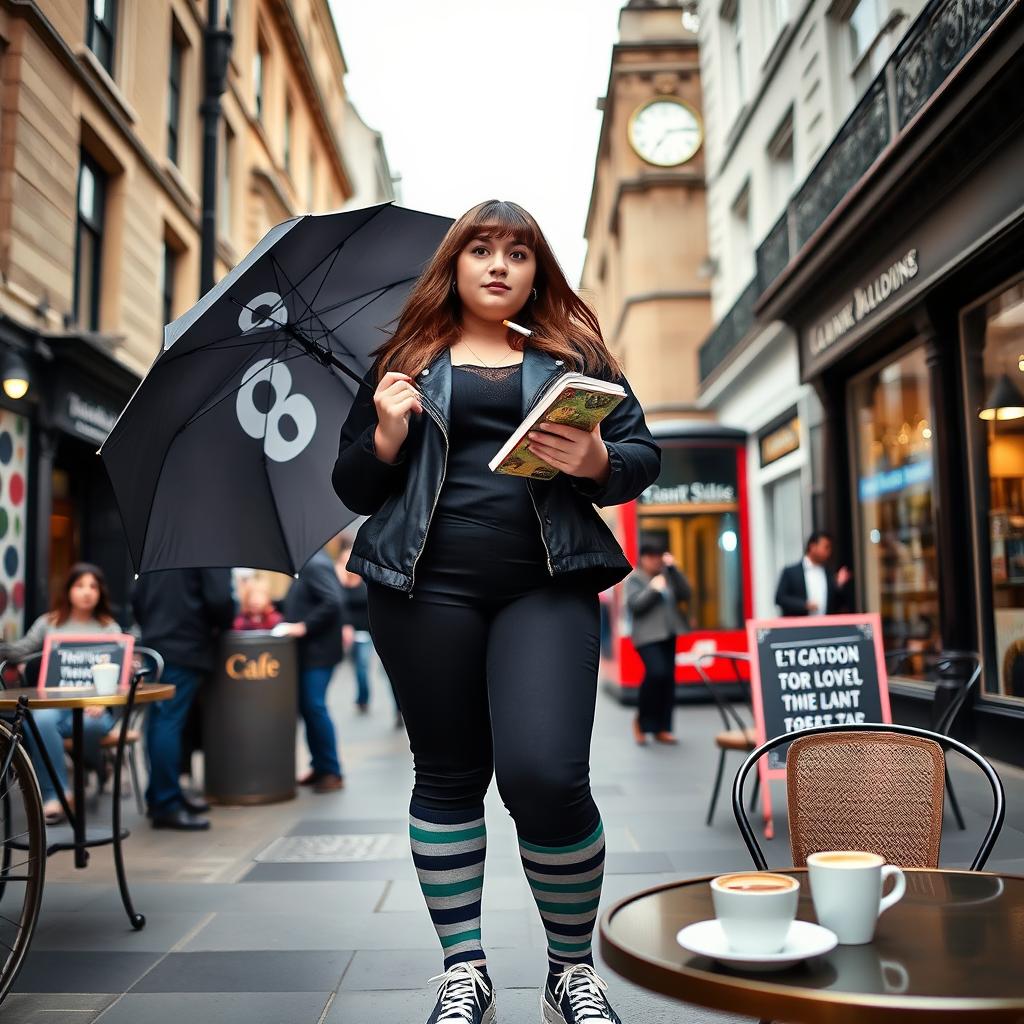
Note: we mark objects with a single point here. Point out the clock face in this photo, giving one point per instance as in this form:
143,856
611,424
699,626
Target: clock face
665,132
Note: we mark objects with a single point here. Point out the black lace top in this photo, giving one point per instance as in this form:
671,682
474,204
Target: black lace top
484,532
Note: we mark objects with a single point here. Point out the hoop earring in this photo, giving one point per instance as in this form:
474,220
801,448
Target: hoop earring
455,289
534,290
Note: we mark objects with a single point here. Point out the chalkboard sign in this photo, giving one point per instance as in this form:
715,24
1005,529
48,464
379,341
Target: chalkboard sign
68,658
808,672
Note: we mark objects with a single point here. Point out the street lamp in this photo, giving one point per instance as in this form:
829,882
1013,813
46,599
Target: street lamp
16,379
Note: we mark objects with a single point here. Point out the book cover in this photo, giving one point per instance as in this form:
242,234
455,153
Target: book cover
575,406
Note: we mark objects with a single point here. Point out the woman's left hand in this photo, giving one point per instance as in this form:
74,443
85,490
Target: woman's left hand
574,451
95,711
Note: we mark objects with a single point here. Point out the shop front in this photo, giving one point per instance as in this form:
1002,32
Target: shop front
913,339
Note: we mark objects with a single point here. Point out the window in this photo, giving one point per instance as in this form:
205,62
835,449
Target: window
311,181
742,261
894,432
100,31
227,163
994,342
868,51
778,16
288,119
92,186
782,170
737,55
174,96
170,267
258,84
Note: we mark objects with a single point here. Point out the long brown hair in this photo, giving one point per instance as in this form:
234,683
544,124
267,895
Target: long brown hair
563,324
62,606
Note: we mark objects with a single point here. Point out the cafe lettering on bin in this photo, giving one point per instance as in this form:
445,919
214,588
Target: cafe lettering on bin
264,666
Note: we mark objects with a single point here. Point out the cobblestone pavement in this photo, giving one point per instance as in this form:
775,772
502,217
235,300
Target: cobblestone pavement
258,921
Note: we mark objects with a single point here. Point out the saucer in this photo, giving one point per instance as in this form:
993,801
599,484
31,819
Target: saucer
706,938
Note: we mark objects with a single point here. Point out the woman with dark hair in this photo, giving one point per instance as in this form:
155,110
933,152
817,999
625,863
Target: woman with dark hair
483,588
82,606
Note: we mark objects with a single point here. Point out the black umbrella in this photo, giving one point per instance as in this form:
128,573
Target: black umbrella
223,456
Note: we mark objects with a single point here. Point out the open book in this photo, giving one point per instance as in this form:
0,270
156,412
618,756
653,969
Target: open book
574,400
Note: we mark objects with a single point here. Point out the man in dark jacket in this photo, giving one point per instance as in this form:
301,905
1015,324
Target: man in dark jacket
181,613
808,587
313,610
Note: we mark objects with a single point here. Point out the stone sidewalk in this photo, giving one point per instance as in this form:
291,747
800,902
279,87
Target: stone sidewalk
258,922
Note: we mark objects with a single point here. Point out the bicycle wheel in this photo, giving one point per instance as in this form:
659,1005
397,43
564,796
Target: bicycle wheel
22,856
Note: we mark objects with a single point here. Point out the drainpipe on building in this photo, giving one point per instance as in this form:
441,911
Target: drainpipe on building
216,51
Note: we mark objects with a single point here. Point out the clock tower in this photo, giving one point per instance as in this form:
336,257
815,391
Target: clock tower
646,226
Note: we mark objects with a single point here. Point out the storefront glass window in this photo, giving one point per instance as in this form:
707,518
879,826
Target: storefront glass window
994,334
894,491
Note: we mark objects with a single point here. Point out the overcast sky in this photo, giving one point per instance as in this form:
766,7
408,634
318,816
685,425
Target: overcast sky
480,100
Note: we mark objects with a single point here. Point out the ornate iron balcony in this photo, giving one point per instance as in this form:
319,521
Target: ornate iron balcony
939,39
728,332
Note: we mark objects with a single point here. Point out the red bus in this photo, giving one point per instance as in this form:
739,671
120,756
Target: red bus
698,510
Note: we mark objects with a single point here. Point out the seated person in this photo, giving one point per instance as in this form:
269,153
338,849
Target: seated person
83,606
257,610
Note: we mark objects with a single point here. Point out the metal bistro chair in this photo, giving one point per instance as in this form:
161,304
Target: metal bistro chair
938,666
736,734
146,659
868,787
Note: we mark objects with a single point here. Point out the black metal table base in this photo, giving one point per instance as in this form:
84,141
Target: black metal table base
81,840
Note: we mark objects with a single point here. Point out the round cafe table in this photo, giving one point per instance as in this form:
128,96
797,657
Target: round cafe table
951,949
79,836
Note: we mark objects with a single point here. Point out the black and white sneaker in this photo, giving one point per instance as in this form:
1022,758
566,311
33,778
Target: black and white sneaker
578,998
465,996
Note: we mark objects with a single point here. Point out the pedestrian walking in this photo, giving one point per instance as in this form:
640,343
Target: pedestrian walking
483,588
356,632
654,592
82,606
809,587
313,614
181,614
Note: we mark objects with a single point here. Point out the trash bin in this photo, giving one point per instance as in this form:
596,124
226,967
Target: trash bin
249,712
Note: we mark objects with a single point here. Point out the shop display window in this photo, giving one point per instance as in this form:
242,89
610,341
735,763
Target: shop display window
994,343
898,566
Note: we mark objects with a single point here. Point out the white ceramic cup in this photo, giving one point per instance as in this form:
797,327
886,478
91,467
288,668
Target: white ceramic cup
755,909
846,886
105,677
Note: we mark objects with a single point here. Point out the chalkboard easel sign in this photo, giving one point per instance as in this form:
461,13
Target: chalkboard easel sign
813,671
68,658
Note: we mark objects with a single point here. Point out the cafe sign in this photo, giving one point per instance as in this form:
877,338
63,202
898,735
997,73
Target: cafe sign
862,301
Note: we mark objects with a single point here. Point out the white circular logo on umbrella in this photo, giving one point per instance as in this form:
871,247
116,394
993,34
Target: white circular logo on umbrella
284,421
262,313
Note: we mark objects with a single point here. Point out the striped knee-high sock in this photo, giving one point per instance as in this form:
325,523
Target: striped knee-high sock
566,883
448,849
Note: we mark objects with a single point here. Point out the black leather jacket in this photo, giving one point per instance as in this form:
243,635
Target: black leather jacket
400,498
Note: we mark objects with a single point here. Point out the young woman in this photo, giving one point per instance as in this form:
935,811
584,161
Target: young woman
483,588
83,606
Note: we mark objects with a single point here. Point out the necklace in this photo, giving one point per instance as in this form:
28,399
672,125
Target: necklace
490,366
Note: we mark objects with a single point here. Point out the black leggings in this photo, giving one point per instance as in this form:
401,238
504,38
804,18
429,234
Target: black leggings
503,688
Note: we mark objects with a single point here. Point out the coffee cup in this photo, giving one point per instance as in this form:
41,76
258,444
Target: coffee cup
846,887
105,677
755,909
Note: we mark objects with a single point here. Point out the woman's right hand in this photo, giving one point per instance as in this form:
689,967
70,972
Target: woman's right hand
395,400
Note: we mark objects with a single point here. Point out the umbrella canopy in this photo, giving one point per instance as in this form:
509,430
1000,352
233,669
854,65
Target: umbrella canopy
223,456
